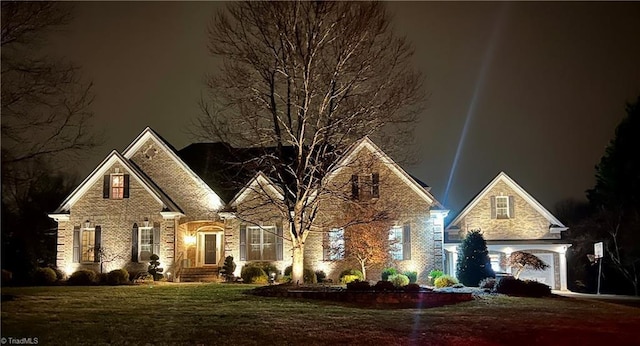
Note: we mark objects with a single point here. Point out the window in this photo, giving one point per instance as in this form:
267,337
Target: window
117,186
261,243
502,207
495,262
336,244
146,243
364,187
395,243
88,245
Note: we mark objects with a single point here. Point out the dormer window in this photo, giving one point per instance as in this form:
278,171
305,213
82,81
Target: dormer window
364,187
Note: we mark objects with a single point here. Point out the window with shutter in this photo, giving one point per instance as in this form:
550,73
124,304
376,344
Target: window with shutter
243,242
261,243
98,243
336,244
395,243
88,244
364,187
502,207
76,244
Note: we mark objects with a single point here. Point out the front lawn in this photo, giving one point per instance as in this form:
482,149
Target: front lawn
220,314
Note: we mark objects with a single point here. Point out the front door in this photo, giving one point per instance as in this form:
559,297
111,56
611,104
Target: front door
210,249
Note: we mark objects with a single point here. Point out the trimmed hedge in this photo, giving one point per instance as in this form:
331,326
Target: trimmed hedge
527,288
445,281
383,286
386,272
358,285
83,277
349,275
44,276
413,276
118,277
399,280
251,274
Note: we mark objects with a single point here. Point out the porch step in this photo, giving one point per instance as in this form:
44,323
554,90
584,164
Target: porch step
200,274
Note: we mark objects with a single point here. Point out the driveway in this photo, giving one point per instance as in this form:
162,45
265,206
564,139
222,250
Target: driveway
633,301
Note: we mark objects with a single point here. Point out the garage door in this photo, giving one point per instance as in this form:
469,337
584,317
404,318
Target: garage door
545,276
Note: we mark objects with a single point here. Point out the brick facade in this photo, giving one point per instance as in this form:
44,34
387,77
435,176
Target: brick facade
180,231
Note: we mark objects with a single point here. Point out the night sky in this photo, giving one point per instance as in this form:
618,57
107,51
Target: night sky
541,86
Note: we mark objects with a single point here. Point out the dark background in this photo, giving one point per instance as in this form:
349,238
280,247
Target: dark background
541,86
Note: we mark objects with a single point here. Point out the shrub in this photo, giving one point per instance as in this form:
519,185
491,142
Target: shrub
488,283
251,274
349,278
399,280
413,276
83,277
383,285
118,277
358,285
412,288
102,278
44,276
386,272
352,275
267,267
434,274
445,281
527,288
308,275
228,268
321,275
60,275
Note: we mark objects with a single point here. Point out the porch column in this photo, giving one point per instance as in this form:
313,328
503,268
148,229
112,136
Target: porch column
563,268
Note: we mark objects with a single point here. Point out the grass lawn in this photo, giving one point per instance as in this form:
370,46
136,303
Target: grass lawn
210,314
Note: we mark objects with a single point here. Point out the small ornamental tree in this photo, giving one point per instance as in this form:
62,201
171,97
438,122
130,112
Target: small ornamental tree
473,260
154,267
520,261
228,268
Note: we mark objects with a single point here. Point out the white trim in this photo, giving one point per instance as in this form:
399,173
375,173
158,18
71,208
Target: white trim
395,168
98,173
227,215
502,176
260,181
59,217
168,215
216,202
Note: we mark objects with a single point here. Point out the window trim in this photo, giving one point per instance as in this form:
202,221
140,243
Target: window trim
141,229
336,237
363,193
272,229
120,188
506,214
396,251
90,249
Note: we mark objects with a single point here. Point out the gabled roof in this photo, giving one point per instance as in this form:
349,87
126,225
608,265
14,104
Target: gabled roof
260,182
366,143
101,170
503,177
147,134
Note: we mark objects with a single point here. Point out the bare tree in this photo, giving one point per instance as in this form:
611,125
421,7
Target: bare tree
304,81
45,104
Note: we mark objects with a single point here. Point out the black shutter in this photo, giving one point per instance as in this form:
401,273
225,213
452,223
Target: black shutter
375,185
512,209
125,193
156,238
106,186
326,247
76,244
243,242
97,243
354,187
406,242
493,207
134,243
279,245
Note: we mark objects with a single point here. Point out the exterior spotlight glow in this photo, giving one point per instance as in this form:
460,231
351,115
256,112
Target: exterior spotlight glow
190,240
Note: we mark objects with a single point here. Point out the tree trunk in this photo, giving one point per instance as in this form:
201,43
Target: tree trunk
297,266
364,270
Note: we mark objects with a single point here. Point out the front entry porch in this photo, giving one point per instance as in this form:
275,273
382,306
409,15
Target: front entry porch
201,251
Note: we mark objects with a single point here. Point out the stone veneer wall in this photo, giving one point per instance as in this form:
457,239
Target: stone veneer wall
528,223
116,218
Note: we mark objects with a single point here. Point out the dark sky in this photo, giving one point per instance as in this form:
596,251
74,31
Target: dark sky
541,86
